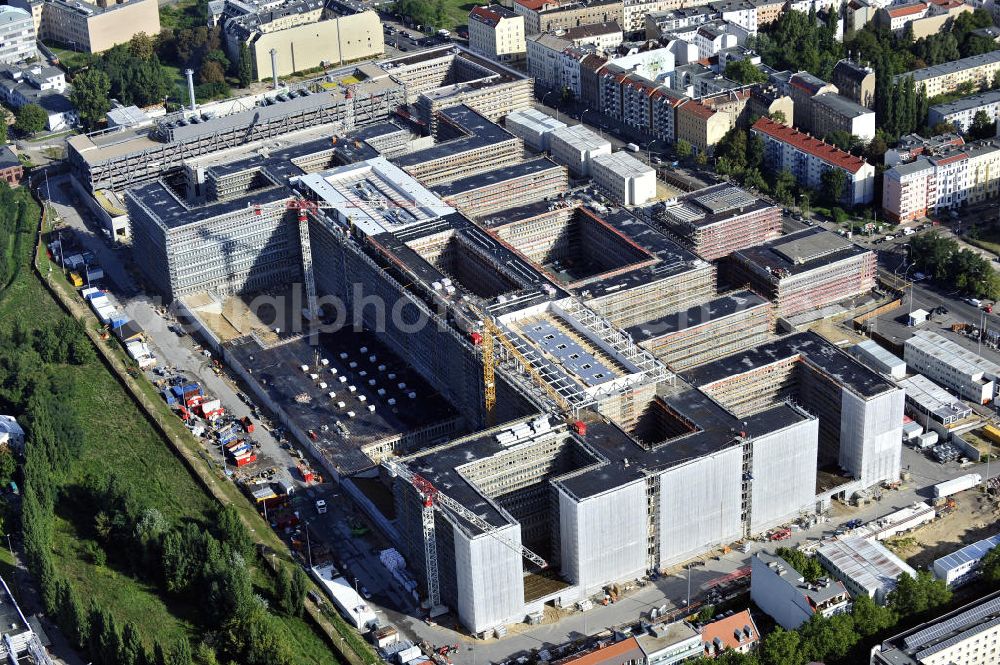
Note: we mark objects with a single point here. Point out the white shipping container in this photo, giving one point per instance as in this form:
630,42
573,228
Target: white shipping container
956,485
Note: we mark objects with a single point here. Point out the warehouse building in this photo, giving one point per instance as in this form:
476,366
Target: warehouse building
575,146
626,180
960,567
782,592
533,127
870,354
951,365
963,637
520,184
805,271
864,565
721,219
926,399
707,331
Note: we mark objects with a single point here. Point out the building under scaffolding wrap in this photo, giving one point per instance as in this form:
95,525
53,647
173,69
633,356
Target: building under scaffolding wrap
122,158
541,421
806,271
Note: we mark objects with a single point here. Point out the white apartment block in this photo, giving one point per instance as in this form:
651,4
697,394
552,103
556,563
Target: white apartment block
978,70
574,147
17,35
960,175
635,11
808,158
627,181
961,112
969,635
951,365
497,32
545,63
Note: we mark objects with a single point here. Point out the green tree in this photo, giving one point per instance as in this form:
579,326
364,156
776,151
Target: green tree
245,67
870,618
778,116
744,71
91,96
131,649
782,647
982,126
989,566
806,566
211,72
683,149
828,638
71,616
914,595
3,126
142,46
180,653
784,187
30,119
834,181
233,532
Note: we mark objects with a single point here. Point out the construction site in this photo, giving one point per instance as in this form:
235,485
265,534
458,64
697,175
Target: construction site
525,393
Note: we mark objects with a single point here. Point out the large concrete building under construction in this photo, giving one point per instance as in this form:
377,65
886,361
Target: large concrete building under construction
567,396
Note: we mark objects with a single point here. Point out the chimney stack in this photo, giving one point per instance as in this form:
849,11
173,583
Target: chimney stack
190,77
274,67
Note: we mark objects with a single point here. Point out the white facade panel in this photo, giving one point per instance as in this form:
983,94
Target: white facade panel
871,435
700,505
489,578
603,538
784,474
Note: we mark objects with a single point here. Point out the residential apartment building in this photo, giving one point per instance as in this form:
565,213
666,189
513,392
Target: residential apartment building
737,632
497,32
634,12
951,365
858,14
95,28
977,70
961,112
945,179
44,86
802,87
808,158
855,81
969,635
660,23
896,17
768,11
570,15
703,122
785,595
545,63
17,35
602,36
832,112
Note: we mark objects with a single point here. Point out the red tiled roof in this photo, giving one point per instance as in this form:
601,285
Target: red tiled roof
725,630
535,5
698,109
615,654
828,153
906,10
951,158
485,15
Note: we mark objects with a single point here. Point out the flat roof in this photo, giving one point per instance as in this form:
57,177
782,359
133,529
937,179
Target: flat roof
375,195
810,347
967,103
968,554
817,593
843,106
340,438
512,172
479,133
172,212
580,138
951,67
913,646
952,354
934,399
697,315
801,251
713,204
866,562
623,164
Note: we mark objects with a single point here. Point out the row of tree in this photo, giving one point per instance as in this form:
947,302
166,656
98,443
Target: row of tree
943,260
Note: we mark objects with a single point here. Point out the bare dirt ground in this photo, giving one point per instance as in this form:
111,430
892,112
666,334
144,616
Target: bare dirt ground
975,517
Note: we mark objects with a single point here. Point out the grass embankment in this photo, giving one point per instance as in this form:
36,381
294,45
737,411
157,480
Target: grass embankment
118,439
